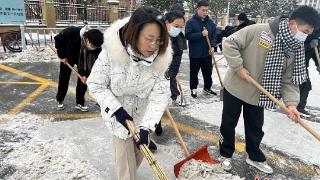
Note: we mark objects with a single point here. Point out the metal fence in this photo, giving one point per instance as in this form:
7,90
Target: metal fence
33,11
95,14
74,13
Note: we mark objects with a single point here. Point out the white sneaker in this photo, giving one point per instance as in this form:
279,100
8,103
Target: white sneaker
304,113
194,93
179,101
226,163
60,106
82,108
262,166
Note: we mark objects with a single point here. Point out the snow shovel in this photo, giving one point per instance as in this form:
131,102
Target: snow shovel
147,153
75,71
201,154
280,104
214,63
182,100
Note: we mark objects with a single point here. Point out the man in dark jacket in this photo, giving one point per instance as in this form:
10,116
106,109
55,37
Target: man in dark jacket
197,28
244,21
78,47
310,44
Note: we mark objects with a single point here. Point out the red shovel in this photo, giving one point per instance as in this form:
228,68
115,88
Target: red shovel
201,154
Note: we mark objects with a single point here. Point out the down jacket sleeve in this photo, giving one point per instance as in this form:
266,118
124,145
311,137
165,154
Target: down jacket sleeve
158,101
99,85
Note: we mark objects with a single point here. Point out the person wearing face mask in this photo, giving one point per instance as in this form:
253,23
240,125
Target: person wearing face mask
174,22
128,82
197,29
273,55
81,47
243,21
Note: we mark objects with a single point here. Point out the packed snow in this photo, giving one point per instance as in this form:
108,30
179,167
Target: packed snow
198,170
30,55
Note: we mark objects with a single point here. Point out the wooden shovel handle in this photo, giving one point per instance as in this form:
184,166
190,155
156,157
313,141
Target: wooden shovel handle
176,130
214,60
282,106
75,71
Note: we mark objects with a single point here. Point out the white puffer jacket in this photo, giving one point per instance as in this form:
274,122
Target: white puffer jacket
115,81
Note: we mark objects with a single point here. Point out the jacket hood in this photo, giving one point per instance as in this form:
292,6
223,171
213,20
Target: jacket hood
117,52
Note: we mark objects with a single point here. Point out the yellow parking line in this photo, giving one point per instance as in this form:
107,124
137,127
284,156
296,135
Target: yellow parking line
193,131
69,116
26,101
23,74
20,83
38,79
239,147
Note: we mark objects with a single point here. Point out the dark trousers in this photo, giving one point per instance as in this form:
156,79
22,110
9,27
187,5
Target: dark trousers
253,122
64,77
205,64
305,88
173,72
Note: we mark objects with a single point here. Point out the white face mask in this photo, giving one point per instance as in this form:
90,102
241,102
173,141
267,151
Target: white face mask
300,36
174,31
90,46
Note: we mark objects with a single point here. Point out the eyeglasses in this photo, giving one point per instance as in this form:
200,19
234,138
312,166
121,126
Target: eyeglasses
157,42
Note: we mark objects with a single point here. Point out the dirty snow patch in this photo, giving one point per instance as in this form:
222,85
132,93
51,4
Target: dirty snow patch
31,55
197,170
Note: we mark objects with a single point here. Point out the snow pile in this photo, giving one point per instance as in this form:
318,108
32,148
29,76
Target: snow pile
197,170
33,157
31,55
38,159
23,123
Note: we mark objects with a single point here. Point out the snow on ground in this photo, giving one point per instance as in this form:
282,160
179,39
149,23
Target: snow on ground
31,54
37,158
81,149
44,149
198,170
314,95
280,132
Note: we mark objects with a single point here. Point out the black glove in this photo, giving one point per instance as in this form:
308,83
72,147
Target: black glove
122,116
144,138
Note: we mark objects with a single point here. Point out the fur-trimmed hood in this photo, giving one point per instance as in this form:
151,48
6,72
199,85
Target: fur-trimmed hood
117,52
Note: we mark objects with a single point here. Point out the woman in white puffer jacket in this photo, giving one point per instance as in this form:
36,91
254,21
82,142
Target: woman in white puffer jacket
127,80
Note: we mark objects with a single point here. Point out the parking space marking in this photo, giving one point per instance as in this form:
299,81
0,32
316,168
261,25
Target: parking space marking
19,83
27,100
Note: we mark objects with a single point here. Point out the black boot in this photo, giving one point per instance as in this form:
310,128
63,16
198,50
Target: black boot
152,146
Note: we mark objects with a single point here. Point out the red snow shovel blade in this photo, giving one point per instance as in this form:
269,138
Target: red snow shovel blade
201,154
